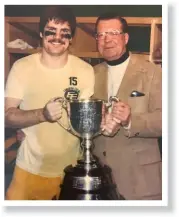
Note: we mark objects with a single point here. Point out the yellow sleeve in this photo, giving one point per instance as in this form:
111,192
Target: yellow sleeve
14,87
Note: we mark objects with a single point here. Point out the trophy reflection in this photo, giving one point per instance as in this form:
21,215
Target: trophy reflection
88,180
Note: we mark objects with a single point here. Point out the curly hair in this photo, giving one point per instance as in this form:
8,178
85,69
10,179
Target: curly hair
58,13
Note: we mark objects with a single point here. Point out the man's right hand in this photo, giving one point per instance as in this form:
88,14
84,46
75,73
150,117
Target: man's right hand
20,136
53,110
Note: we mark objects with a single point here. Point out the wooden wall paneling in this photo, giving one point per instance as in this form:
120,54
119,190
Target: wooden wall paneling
27,32
7,54
155,41
83,42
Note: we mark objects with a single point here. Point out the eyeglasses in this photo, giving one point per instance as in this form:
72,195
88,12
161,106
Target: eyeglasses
113,33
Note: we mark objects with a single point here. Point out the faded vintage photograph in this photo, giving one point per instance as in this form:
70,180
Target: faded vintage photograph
83,102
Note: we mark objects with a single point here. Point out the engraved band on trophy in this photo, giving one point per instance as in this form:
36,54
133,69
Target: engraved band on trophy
88,180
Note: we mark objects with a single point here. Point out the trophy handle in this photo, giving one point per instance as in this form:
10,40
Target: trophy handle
113,99
64,106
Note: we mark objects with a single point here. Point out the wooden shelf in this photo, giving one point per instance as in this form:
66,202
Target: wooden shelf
131,20
22,51
92,54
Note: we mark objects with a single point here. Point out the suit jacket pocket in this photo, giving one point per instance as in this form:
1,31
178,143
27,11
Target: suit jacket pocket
148,156
138,104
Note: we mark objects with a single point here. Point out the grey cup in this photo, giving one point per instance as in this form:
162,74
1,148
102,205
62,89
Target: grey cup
85,117
88,180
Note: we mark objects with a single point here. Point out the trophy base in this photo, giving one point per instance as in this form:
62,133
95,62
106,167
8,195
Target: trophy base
92,184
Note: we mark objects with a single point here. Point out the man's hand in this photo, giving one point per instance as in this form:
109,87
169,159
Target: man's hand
121,113
109,126
53,110
20,136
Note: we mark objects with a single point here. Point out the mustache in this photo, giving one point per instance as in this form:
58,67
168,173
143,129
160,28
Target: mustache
57,41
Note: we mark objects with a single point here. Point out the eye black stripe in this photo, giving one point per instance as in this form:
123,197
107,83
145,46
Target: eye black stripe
47,33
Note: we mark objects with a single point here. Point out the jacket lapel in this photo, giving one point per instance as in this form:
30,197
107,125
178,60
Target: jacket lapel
128,82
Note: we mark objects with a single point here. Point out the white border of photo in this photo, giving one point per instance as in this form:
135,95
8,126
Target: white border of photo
154,203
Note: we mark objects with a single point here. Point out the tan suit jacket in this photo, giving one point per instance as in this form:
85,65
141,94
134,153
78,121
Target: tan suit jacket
134,156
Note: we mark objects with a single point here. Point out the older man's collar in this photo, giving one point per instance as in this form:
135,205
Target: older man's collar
118,61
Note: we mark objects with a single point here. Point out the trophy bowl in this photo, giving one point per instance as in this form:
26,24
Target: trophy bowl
85,117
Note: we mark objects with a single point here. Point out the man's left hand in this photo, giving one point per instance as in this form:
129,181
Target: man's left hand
109,125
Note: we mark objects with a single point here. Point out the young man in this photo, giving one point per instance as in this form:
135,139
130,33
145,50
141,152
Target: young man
135,122
33,88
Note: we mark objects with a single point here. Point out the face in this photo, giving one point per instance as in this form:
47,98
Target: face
112,44
56,38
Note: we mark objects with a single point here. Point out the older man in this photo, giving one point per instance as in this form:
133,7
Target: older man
135,123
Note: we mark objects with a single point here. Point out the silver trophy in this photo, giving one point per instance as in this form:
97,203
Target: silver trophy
88,180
